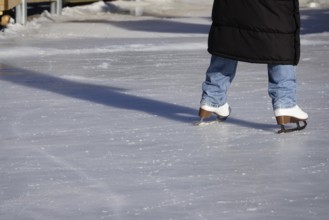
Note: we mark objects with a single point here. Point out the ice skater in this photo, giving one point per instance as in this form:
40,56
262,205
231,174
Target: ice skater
254,31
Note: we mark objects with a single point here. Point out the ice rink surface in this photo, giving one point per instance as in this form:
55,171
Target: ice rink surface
97,121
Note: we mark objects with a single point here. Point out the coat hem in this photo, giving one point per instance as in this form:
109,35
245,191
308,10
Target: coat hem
250,60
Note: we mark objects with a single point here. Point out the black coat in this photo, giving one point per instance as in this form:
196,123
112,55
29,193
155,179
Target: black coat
257,31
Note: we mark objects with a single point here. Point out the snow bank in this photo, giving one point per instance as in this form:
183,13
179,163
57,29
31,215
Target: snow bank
167,8
79,19
162,8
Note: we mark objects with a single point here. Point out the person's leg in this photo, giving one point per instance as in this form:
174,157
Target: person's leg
282,89
219,76
282,85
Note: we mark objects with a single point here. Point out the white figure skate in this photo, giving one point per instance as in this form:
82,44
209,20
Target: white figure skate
221,112
291,115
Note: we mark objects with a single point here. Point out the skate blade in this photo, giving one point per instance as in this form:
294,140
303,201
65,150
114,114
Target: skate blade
204,123
208,122
298,128
204,114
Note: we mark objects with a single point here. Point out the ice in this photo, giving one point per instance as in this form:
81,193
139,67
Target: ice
97,122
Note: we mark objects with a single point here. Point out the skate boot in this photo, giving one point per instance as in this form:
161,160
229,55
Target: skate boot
291,115
221,112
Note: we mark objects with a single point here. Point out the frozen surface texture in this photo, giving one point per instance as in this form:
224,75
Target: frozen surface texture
96,122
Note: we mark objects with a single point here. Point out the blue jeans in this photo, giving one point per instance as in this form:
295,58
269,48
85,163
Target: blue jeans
221,72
